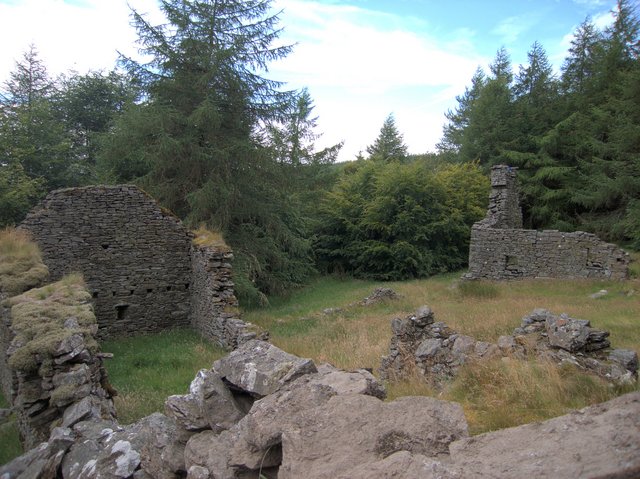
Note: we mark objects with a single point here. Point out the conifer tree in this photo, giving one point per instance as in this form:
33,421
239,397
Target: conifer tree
389,145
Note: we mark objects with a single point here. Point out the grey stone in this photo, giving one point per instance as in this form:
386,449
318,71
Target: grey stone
351,430
599,441
209,404
428,348
259,368
567,333
198,472
85,409
626,358
600,294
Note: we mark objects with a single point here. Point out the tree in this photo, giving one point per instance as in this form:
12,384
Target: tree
30,133
391,221
87,105
459,119
196,140
389,146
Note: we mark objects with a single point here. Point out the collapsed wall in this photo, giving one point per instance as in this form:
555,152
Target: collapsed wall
500,249
52,366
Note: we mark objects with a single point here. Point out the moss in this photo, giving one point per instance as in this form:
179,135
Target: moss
208,238
21,266
38,318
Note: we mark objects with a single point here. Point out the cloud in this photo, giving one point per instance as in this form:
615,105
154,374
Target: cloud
76,35
360,65
511,28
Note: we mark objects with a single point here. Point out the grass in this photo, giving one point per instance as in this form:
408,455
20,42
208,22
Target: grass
9,437
146,370
21,266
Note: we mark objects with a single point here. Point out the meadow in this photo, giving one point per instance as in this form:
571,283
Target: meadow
326,321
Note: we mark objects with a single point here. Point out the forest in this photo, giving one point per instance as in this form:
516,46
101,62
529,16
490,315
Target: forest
201,127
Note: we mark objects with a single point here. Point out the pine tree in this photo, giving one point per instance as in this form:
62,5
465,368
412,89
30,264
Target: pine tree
389,145
196,142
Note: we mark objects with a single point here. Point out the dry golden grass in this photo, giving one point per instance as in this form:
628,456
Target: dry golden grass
21,266
495,394
206,237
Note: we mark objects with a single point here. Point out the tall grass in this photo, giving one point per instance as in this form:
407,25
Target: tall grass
495,394
145,370
21,266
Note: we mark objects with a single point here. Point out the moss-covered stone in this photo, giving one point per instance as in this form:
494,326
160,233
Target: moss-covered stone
43,318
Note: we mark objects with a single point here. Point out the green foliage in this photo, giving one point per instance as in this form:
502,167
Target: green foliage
389,146
10,446
390,221
574,140
218,143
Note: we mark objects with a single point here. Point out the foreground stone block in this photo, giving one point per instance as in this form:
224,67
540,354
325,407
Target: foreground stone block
351,430
259,368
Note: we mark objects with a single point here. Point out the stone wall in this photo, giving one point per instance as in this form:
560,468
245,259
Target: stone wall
501,250
214,307
52,367
134,256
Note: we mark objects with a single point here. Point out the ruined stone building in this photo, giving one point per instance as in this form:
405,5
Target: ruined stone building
501,249
139,262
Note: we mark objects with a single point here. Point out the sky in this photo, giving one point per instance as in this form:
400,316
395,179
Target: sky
361,60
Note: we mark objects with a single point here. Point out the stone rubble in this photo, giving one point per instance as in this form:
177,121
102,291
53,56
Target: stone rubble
323,422
420,344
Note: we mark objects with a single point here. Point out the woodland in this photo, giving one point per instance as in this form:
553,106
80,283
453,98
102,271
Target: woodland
203,129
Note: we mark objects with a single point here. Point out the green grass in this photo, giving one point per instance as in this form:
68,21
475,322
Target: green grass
146,370
10,446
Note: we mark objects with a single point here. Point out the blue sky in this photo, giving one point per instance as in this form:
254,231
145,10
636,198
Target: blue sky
360,59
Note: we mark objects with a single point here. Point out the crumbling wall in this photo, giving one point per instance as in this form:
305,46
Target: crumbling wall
214,307
500,249
421,345
134,256
53,361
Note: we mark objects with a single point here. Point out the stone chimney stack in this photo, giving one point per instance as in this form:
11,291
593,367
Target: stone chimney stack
504,206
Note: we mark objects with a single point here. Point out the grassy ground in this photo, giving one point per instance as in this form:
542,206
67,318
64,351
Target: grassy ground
496,394
9,438
147,369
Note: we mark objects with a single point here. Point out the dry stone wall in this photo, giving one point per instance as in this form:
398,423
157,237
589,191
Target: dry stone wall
140,264
214,307
134,256
501,250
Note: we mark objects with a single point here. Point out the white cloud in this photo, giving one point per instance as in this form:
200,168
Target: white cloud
361,65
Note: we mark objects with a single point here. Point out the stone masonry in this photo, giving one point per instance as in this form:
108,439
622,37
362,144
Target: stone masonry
139,262
500,249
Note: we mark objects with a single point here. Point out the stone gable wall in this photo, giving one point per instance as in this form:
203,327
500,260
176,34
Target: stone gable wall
501,250
134,256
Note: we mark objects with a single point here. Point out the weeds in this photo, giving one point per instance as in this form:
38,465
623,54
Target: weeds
21,266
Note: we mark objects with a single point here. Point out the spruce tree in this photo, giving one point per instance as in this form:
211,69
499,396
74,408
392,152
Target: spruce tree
196,141
389,145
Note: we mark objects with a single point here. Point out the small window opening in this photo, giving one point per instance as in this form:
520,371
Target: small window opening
121,310
149,290
168,288
113,293
186,285
95,294
105,246
512,261
131,292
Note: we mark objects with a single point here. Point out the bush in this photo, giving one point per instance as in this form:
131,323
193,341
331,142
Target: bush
393,221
